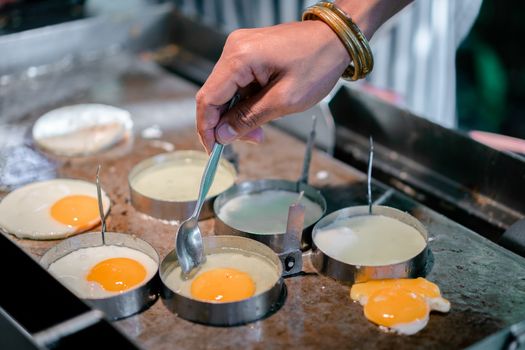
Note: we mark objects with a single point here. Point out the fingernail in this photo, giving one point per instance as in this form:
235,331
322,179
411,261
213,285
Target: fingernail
226,133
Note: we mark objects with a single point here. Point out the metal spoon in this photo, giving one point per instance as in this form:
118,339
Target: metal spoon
189,249
369,175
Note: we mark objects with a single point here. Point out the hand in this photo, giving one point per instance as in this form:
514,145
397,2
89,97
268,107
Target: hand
292,66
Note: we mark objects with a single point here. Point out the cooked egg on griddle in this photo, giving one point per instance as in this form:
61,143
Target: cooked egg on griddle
399,305
51,209
266,212
81,130
178,180
370,240
226,277
103,271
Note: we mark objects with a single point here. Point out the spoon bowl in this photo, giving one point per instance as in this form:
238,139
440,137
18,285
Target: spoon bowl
189,247
189,238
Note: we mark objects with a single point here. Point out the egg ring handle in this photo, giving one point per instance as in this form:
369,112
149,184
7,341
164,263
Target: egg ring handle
101,207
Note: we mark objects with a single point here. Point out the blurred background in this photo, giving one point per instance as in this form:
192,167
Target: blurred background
490,75
491,71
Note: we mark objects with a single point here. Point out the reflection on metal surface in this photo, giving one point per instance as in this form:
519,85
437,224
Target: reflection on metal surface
52,335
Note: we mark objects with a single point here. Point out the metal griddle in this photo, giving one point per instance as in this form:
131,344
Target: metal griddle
484,281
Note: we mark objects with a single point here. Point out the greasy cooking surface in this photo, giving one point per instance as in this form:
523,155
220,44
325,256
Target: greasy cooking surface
485,284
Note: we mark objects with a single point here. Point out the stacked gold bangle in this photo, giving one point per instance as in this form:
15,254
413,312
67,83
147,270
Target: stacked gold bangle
349,34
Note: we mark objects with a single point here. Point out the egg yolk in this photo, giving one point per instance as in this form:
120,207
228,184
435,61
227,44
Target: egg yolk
421,286
223,285
401,304
393,306
117,274
77,211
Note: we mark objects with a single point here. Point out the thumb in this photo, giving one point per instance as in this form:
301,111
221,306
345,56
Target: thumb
243,121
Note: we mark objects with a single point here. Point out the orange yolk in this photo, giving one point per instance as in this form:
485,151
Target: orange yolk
223,285
78,211
424,288
400,304
393,306
117,274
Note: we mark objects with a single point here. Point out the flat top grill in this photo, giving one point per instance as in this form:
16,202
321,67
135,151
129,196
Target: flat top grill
484,282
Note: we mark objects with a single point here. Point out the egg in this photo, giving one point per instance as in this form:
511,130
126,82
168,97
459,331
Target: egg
103,271
178,180
81,130
370,240
266,212
399,305
51,209
226,277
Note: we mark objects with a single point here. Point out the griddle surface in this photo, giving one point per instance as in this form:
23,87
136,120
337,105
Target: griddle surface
485,283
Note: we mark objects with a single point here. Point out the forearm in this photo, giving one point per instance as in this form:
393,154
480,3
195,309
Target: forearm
369,15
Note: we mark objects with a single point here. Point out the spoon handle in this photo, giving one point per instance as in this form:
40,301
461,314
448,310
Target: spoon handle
208,176
211,168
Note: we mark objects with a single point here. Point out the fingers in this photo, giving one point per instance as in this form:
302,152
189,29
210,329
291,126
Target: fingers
207,131
210,105
295,65
255,136
243,121
238,70
213,97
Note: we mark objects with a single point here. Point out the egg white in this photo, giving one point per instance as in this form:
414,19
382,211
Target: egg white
370,240
409,328
178,180
266,212
25,212
71,270
262,272
82,129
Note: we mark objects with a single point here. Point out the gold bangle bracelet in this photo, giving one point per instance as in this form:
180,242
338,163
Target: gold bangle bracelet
349,34
364,47
340,28
355,29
